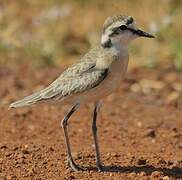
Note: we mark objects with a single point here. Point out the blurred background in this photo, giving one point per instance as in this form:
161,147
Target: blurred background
140,126
56,33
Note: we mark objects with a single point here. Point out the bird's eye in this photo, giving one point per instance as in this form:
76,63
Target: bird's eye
123,27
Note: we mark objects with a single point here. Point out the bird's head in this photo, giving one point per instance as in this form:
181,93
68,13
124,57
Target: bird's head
120,30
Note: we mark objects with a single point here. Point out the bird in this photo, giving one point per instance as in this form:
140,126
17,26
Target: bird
96,75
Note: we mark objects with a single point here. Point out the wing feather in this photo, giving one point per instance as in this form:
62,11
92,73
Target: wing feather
76,79
87,80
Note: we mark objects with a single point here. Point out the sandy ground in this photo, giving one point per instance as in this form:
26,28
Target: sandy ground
140,129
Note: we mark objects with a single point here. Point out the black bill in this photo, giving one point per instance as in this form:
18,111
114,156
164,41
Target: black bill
141,33
144,34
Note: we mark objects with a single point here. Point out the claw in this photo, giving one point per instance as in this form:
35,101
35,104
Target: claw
100,168
74,167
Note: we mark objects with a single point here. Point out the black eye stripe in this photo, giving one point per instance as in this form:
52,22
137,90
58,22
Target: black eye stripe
114,33
132,30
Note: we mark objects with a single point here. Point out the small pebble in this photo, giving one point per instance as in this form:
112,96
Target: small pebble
179,145
132,175
156,174
165,178
139,124
162,161
9,177
172,97
72,177
169,163
151,133
142,162
143,173
111,174
24,151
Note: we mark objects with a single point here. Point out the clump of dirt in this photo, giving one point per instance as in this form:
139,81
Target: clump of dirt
139,129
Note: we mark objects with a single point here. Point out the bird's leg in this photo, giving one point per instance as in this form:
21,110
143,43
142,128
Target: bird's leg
64,124
94,131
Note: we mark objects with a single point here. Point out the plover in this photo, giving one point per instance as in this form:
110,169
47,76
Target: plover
98,74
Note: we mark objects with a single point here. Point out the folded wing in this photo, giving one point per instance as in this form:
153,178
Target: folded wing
67,84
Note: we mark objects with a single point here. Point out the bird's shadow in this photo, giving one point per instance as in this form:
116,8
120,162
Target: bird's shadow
175,172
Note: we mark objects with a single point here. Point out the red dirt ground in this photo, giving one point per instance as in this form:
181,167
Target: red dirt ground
140,129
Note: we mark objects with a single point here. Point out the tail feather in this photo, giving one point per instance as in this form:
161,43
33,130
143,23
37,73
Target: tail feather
29,100
43,95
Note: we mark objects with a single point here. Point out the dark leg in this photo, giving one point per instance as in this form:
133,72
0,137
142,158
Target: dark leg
64,123
94,131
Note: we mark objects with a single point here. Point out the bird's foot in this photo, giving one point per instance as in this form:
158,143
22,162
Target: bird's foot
99,167
75,167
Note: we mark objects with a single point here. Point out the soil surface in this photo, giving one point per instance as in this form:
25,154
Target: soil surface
139,127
